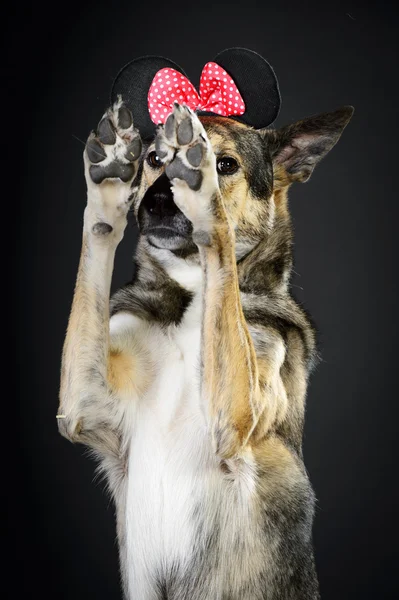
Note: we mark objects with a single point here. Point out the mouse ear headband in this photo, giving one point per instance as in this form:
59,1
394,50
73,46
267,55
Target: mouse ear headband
238,83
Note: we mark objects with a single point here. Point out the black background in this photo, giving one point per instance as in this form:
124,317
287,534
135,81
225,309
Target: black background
62,60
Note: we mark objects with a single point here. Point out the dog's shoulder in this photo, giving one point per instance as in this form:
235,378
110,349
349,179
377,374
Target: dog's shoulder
282,314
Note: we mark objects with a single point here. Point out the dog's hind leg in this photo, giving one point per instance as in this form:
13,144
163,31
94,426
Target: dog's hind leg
89,410
238,388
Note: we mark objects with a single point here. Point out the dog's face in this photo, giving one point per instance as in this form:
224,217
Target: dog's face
255,169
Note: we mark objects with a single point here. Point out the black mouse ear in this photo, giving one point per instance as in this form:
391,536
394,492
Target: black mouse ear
256,82
133,83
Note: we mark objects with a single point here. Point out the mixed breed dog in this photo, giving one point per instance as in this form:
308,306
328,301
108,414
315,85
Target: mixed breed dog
189,383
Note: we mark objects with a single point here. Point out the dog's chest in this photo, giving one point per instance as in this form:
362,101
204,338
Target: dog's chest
173,396
174,391
170,448
177,495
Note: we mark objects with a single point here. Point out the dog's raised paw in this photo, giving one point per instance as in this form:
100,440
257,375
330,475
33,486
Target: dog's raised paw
183,146
112,151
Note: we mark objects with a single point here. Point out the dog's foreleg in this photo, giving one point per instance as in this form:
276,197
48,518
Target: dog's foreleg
244,391
89,409
238,387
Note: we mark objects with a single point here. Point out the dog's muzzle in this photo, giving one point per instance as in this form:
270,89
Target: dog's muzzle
160,219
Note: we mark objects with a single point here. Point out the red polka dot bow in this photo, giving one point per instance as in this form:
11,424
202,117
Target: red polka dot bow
218,93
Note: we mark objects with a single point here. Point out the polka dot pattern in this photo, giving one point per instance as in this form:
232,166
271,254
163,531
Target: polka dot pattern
218,93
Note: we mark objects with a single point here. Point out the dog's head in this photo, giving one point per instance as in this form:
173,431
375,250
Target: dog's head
255,170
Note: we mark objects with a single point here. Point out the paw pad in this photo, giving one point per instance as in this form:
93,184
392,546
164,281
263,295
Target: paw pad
105,132
195,154
125,119
95,151
185,132
111,171
178,169
114,148
182,145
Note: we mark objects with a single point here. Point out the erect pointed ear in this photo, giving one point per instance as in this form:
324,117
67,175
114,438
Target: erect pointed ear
296,149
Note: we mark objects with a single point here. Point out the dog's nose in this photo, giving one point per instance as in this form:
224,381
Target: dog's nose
159,205
158,200
158,215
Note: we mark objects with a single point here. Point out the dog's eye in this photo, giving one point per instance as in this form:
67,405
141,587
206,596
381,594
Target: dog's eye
227,165
154,161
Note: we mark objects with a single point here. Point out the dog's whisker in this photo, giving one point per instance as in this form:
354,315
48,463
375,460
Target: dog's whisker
79,140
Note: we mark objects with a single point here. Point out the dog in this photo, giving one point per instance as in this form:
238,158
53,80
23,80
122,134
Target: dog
189,384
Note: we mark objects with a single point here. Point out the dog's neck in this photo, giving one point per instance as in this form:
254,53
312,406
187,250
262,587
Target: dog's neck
159,266
264,265
165,284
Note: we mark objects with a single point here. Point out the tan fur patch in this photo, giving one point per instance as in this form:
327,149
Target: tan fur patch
122,372
281,202
230,367
276,461
280,178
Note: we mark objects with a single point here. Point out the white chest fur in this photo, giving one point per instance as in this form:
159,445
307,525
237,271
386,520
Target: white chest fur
172,469
166,454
